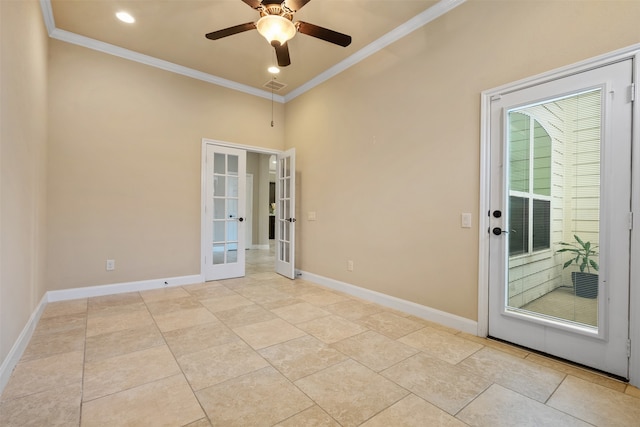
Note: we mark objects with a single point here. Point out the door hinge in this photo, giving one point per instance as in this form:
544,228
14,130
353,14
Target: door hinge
632,92
630,220
628,348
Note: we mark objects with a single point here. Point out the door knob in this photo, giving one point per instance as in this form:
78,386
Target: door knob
240,219
291,219
498,231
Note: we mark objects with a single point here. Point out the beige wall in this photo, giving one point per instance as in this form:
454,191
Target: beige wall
390,167
124,164
23,127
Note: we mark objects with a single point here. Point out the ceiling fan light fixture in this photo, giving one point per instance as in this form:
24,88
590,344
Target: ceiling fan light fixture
273,69
276,29
125,17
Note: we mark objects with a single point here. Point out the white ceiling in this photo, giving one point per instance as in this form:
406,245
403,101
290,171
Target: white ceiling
170,34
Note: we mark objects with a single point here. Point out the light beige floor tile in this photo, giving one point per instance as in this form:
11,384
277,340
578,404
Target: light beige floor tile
265,334
374,350
103,324
332,328
312,417
262,294
267,275
59,308
104,346
353,309
577,371
281,303
116,309
224,303
164,294
506,348
323,298
434,325
301,357
390,324
200,423
298,313
207,290
199,337
442,345
499,406
245,315
413,411
97,304
238,282
44,345
294,288
525,377
350,392
183,319
167,402
43,374
220,363
58,406
595,404
632,391
438,382
62,323
260,398
129,370
173,304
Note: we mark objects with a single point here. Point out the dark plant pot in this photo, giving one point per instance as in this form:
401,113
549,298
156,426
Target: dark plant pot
585,284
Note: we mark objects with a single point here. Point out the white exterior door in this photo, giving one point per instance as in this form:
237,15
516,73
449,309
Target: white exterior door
561,189
285,213
224,226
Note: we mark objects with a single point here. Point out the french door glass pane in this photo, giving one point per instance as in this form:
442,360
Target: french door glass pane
554,208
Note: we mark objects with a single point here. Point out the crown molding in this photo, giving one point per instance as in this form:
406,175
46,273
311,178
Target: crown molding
434,12
94,44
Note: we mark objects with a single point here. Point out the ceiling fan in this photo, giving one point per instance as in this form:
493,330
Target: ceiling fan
277,26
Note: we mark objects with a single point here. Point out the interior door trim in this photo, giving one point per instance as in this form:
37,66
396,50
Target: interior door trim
632,52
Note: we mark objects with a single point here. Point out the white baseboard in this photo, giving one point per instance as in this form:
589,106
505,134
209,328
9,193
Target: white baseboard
20,345
447,319
119,288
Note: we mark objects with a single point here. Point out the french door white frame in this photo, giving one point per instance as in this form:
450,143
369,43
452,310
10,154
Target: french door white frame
632,52
204,244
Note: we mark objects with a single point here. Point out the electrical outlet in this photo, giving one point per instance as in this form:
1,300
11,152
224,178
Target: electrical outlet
350,265
111,264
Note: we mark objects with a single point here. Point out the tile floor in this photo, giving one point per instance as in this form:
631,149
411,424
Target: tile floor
266,351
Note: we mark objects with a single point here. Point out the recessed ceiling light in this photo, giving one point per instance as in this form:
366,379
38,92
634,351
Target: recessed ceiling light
125,17
273,69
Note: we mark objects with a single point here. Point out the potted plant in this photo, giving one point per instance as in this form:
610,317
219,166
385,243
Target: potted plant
582,253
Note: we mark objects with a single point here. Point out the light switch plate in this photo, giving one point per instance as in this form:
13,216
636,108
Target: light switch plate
465,220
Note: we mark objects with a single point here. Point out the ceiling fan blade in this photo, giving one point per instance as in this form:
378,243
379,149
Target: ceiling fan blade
231,31
324,34
295,5
282,54
253,3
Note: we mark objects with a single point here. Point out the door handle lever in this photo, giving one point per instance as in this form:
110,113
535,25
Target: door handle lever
498,231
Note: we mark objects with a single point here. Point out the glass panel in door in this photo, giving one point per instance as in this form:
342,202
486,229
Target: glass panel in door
554,208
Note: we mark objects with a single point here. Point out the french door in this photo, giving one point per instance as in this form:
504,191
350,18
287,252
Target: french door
225,198
560,217
285,214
